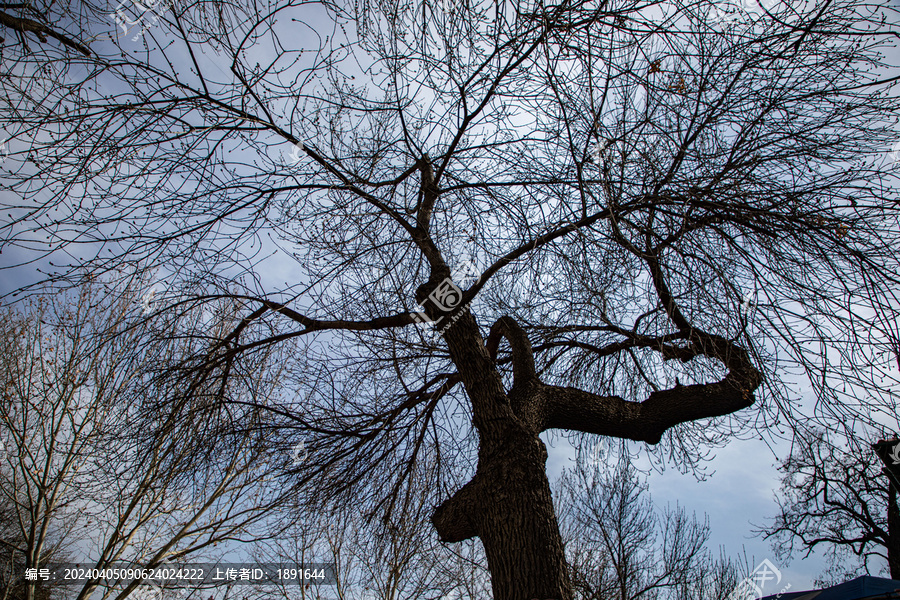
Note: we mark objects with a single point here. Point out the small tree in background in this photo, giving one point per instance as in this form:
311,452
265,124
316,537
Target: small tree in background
620,545
379,561
12,560
835,498
85,472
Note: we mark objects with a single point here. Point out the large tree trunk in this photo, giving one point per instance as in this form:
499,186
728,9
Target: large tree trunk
519,531
508,503
509,506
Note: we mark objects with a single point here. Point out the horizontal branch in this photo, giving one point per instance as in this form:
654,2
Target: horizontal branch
310,324
40,30
577,410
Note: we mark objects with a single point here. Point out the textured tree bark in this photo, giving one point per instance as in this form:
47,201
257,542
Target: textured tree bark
508,505
517,523
893,518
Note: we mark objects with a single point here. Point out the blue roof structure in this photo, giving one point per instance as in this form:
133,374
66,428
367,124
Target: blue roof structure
861,588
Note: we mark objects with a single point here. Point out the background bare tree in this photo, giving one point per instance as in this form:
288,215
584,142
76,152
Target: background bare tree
671,218
85,474
12,568
387,561
620,545
835,498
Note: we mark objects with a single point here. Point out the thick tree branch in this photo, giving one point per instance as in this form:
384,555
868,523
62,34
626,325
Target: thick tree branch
453,518
522,355
40,30
429,194
573,409
664,294
577,410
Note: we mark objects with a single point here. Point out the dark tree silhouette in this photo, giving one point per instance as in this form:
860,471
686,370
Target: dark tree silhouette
23,18
835,497
619,545
669,215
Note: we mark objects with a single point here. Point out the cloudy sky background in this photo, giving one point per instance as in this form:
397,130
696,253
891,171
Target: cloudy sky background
738,495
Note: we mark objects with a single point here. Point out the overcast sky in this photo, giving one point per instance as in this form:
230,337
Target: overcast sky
738,494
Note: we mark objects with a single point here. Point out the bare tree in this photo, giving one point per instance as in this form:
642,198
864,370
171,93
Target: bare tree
835,498
664,214
620,545
388,561
12,567
85,472
394,562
